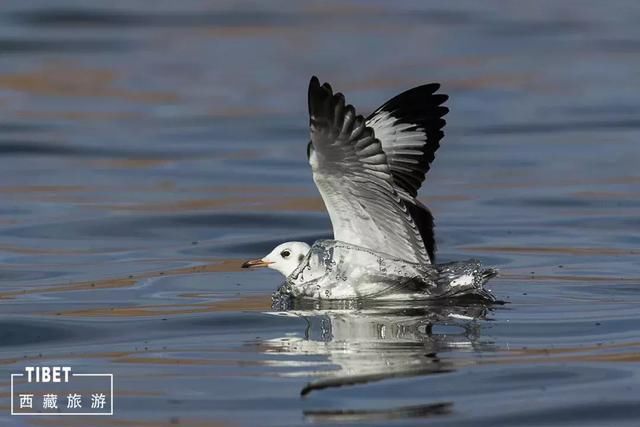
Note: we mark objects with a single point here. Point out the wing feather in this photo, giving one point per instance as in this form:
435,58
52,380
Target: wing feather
354,177
410,126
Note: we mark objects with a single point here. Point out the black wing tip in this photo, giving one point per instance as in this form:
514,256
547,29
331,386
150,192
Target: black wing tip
420,101
314,83
429,88
314,86
326,108
422,108
319,96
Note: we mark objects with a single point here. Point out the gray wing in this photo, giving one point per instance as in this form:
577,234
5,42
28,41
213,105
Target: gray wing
410,126
355,181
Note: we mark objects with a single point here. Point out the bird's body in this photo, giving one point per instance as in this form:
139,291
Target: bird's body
336,270
368,172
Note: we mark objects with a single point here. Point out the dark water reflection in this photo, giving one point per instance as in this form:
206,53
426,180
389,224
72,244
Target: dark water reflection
374,344
147,148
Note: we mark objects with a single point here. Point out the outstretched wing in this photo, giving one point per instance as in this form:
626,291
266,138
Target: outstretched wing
409,127
355,180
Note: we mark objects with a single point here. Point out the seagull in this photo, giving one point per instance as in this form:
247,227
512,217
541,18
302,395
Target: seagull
368,172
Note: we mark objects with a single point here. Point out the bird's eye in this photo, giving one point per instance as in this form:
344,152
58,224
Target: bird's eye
285,253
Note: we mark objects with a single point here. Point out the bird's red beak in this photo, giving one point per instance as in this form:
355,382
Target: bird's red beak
255,263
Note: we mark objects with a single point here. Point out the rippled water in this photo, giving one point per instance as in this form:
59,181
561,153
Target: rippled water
147,148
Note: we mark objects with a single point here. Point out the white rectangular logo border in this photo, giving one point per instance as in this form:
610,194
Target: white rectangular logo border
68,413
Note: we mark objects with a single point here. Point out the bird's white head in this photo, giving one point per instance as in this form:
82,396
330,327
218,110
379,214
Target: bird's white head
284,258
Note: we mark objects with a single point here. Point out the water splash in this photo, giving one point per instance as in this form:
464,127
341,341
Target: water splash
334,270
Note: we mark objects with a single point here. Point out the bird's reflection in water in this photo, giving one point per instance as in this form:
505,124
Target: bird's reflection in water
366,343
